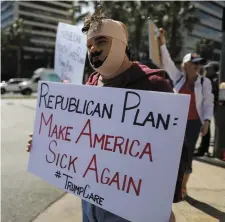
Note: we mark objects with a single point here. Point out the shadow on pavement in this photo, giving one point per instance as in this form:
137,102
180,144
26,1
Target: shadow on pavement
213,212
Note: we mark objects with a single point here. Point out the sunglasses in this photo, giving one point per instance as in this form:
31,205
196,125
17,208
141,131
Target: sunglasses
196,63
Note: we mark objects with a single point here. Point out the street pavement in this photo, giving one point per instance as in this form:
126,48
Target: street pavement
27,198
23,195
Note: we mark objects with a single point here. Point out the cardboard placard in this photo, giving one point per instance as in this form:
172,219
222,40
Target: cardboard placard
70,53
116,148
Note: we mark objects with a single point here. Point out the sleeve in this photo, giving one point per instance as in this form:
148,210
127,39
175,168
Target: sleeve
208,99
169,65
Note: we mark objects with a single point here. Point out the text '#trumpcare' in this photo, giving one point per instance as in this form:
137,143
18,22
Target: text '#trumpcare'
103,110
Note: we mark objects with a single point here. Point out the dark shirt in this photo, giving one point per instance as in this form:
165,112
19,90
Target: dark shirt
215,86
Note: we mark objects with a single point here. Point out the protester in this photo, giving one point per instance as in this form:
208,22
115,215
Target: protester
108,53
211,69
199,88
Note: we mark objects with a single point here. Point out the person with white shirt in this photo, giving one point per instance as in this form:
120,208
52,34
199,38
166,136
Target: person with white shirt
188,81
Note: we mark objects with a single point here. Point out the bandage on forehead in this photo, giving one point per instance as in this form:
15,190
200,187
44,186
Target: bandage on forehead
111,28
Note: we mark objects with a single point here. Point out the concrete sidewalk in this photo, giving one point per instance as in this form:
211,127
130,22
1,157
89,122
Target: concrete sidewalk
205,203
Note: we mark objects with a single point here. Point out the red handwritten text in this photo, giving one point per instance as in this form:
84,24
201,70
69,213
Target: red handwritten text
119,144
122,182
56,131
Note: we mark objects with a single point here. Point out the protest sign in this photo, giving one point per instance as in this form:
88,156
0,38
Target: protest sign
154,50
70,53
116,148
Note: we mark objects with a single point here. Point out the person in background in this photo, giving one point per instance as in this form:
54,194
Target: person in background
188,81
211,72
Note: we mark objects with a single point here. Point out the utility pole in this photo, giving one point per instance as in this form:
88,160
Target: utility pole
220,113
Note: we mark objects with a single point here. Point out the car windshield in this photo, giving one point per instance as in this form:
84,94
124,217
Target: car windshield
12,81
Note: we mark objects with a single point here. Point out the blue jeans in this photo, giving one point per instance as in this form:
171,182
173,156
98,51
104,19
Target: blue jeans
92,213
192,132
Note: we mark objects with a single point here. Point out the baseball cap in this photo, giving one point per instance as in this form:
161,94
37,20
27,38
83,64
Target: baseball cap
194,57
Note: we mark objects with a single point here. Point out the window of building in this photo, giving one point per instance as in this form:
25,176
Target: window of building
5,5
40,15
39,19
208,32
6,14
212,6
41,12
7,20
49,4
191,41
210,19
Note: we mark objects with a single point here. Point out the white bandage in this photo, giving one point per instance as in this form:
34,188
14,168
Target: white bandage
111,28
117,31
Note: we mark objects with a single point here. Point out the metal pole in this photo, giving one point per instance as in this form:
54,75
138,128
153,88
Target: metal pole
220,112
222,58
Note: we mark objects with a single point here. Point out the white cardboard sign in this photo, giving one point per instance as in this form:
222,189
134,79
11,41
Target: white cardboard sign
116,148
70,53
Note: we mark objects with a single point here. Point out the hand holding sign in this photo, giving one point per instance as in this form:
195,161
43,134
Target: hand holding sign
162,38
70,53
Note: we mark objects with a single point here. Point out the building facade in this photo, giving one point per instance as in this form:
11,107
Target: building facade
40,17
210,27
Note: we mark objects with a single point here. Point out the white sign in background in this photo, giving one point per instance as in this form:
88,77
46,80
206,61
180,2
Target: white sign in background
70,53
145,129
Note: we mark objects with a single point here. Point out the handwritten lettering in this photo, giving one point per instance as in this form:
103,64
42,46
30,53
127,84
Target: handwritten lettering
71,104
155,119
120,182
57,131
82,191
61,160
71,36
124,146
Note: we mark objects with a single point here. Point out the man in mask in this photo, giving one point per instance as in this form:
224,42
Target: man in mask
108,52
109,56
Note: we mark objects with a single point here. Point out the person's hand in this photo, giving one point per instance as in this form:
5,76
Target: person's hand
65,81
29,144
162,38
205,128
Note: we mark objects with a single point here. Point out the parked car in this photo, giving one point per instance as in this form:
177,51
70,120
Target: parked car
12,85
31,86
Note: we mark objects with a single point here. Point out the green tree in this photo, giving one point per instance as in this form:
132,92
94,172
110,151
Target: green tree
205,47
14,38
75,12
174,17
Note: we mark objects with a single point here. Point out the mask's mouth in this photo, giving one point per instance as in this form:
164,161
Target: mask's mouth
94,59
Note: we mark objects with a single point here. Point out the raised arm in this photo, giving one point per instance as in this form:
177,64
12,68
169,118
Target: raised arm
167,62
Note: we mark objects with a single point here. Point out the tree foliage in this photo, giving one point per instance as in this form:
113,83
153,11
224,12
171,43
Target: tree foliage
174,17
205,47
75,12
15,35
14,38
